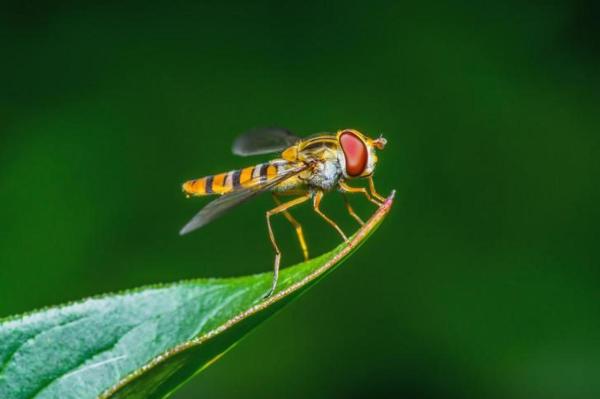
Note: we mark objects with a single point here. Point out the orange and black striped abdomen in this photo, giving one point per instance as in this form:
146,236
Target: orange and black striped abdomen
228,182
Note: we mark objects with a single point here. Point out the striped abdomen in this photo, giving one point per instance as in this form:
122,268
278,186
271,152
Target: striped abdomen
224,183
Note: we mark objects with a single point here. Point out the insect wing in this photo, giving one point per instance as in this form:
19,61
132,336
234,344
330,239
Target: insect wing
221,205
217,208
263,141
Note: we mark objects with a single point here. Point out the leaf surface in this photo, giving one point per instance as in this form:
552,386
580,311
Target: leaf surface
146,342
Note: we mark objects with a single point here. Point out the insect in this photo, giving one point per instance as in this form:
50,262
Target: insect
307,169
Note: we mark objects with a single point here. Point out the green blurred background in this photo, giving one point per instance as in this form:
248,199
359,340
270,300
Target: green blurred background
482,282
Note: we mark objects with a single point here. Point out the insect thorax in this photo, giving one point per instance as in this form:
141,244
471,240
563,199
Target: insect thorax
325,175
324,171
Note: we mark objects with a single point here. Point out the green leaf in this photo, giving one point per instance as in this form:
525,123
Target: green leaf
146,342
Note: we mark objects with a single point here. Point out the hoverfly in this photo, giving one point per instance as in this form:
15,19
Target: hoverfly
307,168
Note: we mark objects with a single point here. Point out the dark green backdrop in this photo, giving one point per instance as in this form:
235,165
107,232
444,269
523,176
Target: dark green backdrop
484,280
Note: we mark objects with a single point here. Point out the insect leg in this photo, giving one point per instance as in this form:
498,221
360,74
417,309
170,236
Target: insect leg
362,190
296,225
351,211
374,192
316,205
279,209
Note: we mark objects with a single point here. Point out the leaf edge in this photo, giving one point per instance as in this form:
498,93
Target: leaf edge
355,242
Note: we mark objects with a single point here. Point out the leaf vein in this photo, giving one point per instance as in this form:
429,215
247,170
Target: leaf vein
12,354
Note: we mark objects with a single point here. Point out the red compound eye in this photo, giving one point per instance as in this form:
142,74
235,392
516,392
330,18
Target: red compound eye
355,152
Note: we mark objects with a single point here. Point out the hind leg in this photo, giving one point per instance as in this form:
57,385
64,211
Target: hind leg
280,209
297,227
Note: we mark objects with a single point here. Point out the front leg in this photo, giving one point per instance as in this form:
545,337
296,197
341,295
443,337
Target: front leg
348,189
317,207
374,192
351,211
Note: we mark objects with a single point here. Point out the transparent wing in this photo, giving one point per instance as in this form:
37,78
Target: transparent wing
221,205
263,141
